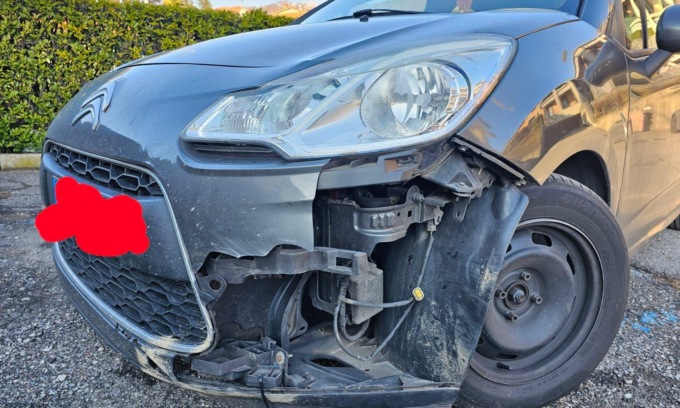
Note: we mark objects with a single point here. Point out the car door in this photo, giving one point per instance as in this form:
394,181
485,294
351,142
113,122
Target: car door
650,193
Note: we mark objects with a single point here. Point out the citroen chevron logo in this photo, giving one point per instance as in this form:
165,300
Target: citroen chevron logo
96,104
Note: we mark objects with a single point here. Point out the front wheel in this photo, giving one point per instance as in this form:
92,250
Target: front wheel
675,224
559,301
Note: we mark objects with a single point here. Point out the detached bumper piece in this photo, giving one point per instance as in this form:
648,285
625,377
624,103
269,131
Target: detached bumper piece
253,363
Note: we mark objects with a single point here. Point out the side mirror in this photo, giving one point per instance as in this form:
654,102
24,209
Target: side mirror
668,30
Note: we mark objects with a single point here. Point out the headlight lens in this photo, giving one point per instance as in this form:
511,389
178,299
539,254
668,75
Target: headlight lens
415,96
409,100
268,111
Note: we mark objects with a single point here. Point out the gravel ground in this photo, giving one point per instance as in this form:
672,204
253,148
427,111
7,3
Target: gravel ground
50,357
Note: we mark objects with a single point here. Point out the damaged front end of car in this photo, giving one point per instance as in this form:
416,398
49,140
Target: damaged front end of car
392,298
286,264
385,309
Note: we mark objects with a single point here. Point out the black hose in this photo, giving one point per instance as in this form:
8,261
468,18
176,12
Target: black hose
354,337
342,319
264,398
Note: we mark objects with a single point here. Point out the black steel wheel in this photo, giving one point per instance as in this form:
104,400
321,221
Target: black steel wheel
559,300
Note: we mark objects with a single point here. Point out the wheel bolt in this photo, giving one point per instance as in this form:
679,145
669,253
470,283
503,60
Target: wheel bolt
517,295
525,275
537,299
501,293
512,317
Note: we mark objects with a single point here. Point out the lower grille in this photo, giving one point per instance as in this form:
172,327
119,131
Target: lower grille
159,306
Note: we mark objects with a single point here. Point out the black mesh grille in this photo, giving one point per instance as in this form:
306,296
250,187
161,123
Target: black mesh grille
162,307
113,176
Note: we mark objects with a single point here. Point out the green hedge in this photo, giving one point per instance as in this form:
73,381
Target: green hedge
49,49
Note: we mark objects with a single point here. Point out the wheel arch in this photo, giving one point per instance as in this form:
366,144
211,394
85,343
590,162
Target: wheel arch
589,158
589,169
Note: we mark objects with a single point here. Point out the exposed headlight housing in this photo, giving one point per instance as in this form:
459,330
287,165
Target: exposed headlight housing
419,95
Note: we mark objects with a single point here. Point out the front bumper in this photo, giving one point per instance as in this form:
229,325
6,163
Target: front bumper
146,357
157,355
152,296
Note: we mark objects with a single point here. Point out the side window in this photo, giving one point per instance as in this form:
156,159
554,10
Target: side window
633,12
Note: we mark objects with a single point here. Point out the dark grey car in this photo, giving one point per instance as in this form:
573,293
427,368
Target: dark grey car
386,203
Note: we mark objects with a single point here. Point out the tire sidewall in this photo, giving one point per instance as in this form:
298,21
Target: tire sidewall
577,206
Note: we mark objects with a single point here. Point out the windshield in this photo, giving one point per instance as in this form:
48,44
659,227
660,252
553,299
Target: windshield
337,9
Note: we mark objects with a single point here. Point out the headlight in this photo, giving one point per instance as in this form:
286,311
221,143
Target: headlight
419,95
408,101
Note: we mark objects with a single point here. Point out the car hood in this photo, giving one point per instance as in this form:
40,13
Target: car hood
154,99
298,46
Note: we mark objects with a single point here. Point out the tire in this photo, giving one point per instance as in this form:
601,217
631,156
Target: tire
565,282
675,224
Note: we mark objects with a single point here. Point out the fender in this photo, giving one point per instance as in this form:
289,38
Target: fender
591,140
579,104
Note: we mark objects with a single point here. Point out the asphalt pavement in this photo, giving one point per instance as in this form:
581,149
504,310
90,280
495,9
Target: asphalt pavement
50,357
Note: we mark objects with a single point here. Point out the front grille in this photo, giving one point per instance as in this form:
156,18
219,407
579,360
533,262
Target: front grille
159,306
104,173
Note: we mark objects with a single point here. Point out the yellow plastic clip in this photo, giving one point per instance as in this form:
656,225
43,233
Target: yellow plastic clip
418,294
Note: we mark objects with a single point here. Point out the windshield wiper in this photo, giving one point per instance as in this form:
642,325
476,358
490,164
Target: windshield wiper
376,12
373,12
